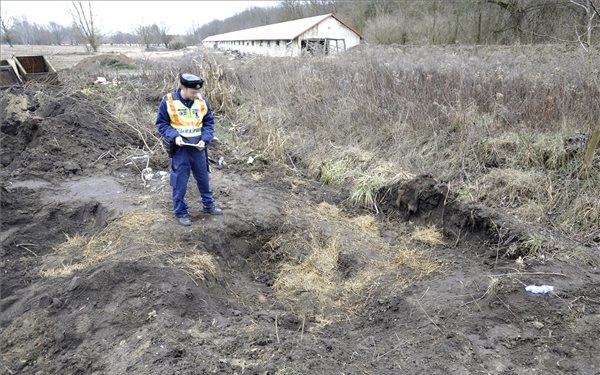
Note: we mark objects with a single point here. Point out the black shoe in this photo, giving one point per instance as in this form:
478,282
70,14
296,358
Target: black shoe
185,221
212,211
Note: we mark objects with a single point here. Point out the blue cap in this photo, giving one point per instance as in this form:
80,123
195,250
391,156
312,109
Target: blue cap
191,81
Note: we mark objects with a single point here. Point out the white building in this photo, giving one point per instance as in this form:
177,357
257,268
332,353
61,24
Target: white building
326,34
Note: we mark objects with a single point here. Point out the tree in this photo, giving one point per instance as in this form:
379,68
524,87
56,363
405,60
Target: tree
40,35
123,38
6,24
144,34
530,18
293,9
516,12
58,32
84,20
592,21
386,29
154,34
163,33
23,31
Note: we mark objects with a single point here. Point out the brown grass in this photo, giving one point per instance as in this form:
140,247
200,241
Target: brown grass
130,237
119,235
429,235
490,120
458,113
199,265
334,264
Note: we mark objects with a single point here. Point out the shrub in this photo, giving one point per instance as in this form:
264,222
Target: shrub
177,45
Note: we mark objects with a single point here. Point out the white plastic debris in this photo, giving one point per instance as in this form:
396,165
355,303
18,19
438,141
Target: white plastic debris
101,81
542,289
520,261
148,174
250,160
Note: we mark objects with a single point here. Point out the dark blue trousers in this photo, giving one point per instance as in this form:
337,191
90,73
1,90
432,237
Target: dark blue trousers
188,159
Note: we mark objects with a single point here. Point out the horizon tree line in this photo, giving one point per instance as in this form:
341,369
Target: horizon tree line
380,21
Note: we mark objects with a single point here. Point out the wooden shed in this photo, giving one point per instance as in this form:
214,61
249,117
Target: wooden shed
325,34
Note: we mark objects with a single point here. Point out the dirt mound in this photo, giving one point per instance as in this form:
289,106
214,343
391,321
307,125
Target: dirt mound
41,134
46,140
106,60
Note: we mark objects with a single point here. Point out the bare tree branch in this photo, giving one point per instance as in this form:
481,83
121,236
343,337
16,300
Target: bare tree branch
594,8
6,29
163,33
85,23
590,12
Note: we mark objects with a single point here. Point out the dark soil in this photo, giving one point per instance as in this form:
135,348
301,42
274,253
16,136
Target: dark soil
68,171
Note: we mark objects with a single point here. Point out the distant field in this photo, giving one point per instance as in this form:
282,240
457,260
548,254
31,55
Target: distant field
64,57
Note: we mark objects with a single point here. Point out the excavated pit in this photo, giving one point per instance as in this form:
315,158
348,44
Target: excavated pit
131,291
426,201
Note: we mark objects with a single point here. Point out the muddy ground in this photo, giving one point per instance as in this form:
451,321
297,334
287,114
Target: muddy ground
98,278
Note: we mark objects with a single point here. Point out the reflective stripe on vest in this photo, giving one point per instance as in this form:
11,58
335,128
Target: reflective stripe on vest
187,121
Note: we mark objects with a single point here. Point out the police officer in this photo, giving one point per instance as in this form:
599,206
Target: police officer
185,120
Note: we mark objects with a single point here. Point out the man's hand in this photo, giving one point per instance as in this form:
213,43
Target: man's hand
201,145
179,141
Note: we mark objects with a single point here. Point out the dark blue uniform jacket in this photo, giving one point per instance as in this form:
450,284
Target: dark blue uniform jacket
163,121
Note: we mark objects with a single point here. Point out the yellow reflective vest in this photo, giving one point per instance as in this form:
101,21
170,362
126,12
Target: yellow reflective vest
187,121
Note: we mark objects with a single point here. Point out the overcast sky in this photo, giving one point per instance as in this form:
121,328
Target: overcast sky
179,16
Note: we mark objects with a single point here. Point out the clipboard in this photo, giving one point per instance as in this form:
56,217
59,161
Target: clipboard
192,145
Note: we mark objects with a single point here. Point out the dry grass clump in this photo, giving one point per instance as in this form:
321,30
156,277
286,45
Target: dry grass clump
363,171
131,232
315,277
495,152
553,151
199,265
532,246
576,207
365,224
418,264
270,136
547,151
336,264
257,133
364,190
335,172
217,89
512,187
429,235
120,234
